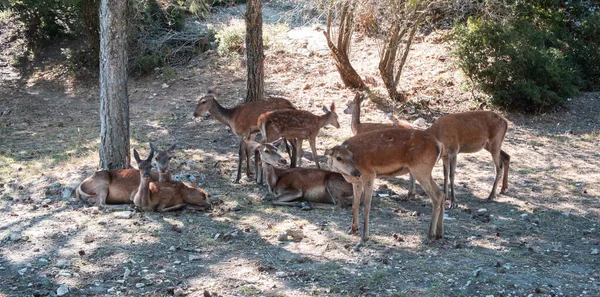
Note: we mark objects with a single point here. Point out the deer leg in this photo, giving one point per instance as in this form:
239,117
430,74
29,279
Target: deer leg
170,208
436,227
259,171
368,194
312,141
446,164
452,174
299,152
241,153
357,193
505,165
498,166
286,198
247,149
412,187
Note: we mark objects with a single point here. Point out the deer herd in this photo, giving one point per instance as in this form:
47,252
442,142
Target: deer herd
376,150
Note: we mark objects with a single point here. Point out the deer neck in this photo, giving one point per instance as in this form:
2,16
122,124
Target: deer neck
270,174
165,177
221,113
355,119
142,197
325,119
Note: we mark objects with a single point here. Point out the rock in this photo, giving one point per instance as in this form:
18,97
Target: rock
482,210
476,272
88,239
193,257
66,193
122,214
46,202
448,218
126,273
15,236
22,271
164,86
419,123
172,248
62,290
282,237
280,274
179,292
140,285
295,234
43,261
594,252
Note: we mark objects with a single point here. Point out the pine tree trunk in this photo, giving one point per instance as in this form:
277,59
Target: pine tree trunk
114,102
254,51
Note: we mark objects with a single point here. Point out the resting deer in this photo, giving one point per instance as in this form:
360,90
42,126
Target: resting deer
108,188
241,119
391,152
321,188
165,196
469,132
299,125
353,108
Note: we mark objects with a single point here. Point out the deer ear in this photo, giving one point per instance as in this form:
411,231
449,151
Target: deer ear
325,110
329,152
151,155
152,147
172,147
332,106
362,97
136,156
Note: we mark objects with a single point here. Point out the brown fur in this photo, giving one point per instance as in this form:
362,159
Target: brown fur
290,186
242,119
165,196
296,124
390,152
105,188
469,132
353,108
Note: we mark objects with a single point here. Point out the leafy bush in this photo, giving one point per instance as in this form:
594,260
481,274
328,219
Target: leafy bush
231,38
537,57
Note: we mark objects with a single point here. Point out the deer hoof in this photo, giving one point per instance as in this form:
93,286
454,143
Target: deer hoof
357,246
305,206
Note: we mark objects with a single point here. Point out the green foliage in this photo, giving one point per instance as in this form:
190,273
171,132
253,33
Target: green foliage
534,60
231,38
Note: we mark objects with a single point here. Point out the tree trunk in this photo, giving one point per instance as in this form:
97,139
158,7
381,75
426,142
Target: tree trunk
254,51
114,102
348,74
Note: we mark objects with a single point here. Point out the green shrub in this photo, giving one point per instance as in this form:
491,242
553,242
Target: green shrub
231,38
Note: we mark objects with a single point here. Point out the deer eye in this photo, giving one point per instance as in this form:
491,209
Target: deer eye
338,158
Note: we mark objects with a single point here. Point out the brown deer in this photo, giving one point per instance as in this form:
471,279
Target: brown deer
390,152
469,132
109,188
296,186
353,108
165,196
298,125
241,119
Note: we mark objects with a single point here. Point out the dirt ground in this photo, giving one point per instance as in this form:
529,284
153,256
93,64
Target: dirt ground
541,238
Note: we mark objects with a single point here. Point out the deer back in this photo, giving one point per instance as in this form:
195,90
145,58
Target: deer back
469,132
291,124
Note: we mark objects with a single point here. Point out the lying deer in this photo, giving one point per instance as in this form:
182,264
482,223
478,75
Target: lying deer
291,186
298,125
353,108
241,119
469,132
107,188
391,152
165,196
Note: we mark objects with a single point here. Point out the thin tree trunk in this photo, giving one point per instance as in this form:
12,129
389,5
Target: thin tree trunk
114,102
348,74
254,51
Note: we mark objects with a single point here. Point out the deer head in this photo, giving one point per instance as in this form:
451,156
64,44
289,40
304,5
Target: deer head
144,166
333,120
163,158
340,160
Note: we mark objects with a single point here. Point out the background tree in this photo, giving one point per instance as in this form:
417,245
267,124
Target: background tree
114,101
340,51
254,51
403,18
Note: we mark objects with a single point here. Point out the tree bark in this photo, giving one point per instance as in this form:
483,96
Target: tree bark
114,101
348,74
254,51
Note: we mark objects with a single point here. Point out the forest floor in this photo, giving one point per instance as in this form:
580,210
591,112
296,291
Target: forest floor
540,238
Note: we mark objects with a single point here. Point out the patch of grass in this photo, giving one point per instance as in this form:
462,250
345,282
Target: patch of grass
249,290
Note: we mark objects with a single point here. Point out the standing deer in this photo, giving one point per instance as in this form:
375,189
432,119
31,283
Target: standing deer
165,196
391,152
353,108
241,119
109,188
319,187
298,125
469,132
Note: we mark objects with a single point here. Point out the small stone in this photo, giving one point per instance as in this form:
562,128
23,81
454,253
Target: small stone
419,123
126,273
66,193
476,272
523,215
280,274
22,271
172,248
122,214
43,261
482,210
594,252
448,218
296,234
46,202
282,237
15,236
179,292
193,257
164,86
62,290
88,239
140,285
217,236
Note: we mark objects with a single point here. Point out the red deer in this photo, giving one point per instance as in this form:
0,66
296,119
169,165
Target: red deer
390,152
165,196
163,162
469,132
108,188
241,119
353,108
298,125
296,186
